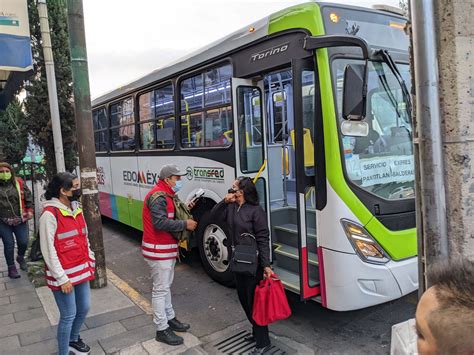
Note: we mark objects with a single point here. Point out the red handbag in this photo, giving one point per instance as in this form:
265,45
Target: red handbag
270,303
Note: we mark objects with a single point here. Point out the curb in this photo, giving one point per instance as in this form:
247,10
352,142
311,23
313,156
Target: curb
191,344
130,292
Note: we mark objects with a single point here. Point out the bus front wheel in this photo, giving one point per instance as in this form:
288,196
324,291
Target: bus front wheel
214,249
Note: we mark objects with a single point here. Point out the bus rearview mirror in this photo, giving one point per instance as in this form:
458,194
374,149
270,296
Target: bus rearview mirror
355,128
354,92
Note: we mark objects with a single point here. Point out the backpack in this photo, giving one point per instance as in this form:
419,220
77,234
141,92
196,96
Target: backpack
181,213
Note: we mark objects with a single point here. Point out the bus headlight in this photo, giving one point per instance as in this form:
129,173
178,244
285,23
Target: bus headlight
364,245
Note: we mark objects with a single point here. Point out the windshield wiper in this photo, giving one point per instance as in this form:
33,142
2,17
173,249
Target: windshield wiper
383,79
387,58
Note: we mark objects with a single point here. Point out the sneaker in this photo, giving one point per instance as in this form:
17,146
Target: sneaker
258,351
23,265
13,272
177,326
167,336
79,347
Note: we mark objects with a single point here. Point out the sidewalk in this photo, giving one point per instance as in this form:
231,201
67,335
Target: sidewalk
115,324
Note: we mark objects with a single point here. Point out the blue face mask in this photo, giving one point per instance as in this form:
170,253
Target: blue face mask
178,186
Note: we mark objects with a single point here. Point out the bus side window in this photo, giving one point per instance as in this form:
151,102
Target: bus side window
206,114
101,126
122,124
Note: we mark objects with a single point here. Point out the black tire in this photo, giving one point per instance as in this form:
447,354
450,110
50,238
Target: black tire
217,234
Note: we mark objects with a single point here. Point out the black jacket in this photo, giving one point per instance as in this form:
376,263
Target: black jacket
246,219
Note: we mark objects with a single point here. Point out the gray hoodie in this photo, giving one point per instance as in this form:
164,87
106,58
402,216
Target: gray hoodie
47,229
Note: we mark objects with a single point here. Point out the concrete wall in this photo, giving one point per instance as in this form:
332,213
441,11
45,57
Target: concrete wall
455,34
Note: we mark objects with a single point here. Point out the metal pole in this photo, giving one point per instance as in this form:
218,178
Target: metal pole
85,137
431,194
52,91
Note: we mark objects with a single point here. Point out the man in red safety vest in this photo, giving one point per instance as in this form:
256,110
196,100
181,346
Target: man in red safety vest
160,250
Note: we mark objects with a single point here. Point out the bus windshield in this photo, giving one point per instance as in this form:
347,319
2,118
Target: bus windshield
381,163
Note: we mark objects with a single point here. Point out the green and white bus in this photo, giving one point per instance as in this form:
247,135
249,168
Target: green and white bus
312,101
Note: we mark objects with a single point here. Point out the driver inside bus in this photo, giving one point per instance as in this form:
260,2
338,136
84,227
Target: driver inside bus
365,145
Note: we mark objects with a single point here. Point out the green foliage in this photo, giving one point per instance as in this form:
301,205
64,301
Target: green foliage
13,133
403,4
37,102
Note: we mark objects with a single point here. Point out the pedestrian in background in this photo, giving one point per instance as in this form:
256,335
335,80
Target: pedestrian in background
70,263
445,313
160,250
240,209
16,208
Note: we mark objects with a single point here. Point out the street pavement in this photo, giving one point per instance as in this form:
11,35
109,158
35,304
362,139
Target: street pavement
114,325
120,322
213,309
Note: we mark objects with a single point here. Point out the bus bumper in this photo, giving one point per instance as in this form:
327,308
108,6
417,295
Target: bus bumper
351,283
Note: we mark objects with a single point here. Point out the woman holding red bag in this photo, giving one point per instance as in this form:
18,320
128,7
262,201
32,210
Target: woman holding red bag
240,209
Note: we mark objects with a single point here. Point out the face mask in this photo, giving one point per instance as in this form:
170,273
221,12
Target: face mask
5,176
75,195
178,186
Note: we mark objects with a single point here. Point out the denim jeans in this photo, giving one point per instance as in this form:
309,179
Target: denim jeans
162,274
21,234
73,308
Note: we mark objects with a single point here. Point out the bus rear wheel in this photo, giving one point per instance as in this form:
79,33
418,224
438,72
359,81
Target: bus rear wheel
214,250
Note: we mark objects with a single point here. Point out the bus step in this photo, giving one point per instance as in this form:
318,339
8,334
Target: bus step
291,280
288,234
292,252
292,228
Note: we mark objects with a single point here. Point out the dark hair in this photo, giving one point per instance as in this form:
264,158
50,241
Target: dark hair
58,182
453,320
250,191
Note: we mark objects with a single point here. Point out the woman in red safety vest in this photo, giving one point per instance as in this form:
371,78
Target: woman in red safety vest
69,261
16,208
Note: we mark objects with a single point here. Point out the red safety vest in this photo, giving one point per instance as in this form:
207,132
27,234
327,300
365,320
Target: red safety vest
158,244
70,242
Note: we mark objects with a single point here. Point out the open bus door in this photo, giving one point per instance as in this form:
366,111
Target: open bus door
250,138
306,104
275,126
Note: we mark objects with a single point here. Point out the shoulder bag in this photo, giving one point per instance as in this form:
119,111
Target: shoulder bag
244,258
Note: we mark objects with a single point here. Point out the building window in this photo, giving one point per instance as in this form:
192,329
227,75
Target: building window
206,113
122,125
101,134
156,114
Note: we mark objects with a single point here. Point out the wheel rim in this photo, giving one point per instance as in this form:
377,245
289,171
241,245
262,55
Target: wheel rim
215,248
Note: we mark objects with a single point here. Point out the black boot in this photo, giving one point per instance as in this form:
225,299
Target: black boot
13,272
21,260
177,326
249,338
167,336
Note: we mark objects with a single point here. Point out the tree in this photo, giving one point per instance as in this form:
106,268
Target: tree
13,132
37,102
403,4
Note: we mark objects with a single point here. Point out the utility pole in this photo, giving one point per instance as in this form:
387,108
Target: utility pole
85,137
430,189
442,41
52,91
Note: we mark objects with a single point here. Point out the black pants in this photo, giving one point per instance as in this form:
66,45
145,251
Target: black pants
245,289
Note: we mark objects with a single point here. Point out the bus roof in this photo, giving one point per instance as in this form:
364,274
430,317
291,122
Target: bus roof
215,49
